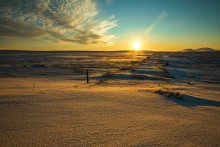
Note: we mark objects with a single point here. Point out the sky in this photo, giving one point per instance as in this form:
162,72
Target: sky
159,25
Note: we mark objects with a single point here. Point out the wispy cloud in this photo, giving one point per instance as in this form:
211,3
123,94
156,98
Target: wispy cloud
60,20
109,2
158,19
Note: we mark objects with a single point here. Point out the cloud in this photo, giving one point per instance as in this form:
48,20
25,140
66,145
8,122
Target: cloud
60,20
109,2
158,19
9,28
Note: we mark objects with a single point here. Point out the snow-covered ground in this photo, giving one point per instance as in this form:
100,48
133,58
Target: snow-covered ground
119,107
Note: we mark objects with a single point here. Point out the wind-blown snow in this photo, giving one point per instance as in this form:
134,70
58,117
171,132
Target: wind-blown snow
118,108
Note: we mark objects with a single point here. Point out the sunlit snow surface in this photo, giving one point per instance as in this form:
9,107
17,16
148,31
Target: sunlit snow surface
45,100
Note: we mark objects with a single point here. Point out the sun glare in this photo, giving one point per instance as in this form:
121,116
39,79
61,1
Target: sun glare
136,45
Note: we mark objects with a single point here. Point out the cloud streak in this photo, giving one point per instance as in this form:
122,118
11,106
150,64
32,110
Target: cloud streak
159,18
60,20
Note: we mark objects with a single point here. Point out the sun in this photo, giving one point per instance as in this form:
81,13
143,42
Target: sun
136,45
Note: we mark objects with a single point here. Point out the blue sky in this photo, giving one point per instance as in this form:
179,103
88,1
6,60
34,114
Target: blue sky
185,20
140,13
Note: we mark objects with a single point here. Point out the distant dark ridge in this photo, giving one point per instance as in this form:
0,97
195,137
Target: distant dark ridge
204,49
188,50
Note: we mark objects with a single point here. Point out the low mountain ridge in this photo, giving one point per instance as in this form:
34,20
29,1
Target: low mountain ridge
204,49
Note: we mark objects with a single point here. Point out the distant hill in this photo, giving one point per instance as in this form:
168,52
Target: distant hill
204,49
188,50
